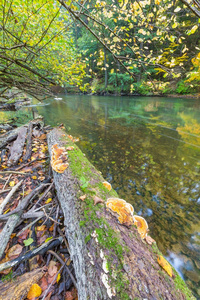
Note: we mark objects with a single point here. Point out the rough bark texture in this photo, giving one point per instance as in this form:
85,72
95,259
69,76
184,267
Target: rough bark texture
17,148
18,289
110,260
28,153
9,137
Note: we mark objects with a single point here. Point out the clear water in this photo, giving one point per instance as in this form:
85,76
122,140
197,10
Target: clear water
149,150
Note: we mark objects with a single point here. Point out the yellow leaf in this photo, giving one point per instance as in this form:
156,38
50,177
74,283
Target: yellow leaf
6,211
35,291
194,28
34,177
48,200
58,278
41,228
12,183
165,265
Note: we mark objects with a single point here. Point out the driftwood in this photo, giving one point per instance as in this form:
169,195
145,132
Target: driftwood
17,148
18,288
5,127
27,156
110,260
12,134
9,137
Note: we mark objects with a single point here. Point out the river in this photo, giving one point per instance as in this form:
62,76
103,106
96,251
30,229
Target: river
149,150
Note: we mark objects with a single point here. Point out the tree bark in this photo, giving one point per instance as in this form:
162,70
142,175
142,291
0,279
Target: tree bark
27,156
110,260
16,150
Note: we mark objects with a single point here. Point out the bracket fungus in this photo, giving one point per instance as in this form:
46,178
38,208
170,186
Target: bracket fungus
142,226
121,209
59,159
107,185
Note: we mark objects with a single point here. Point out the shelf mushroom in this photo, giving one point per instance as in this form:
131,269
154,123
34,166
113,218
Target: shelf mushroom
142,226
59,159
121,209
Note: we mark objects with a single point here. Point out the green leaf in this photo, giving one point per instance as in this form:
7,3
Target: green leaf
28,242
48,239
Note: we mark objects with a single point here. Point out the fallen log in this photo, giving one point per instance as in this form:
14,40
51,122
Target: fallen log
28,153
16,149
18,288
111,261
9,137
12,134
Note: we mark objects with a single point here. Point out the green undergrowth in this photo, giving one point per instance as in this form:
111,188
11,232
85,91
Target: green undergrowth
91,184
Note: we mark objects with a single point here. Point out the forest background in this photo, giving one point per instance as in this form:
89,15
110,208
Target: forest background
118,47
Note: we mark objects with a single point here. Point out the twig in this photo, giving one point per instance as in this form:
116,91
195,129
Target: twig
2,192
64,238
55,278
10,194
30,162
42,249
54,233
55,225
32,215
6,182
44,194
27,226
28,153
14,172
48,217
14,219
25,215
64,264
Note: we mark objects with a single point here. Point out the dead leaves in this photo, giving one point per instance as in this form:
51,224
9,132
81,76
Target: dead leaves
11,254
83,197
73,139
165,265
149,239
97,200
34,292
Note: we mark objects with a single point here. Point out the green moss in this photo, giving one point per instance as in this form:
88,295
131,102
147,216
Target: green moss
7,277
181,286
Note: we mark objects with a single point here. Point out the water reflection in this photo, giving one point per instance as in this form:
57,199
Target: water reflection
149,150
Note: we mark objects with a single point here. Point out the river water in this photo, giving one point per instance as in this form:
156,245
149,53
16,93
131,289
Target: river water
149,150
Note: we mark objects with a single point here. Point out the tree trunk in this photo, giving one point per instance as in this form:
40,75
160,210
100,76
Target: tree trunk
110,260
106,69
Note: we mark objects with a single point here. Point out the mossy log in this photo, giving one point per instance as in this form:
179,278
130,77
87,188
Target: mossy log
110,260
